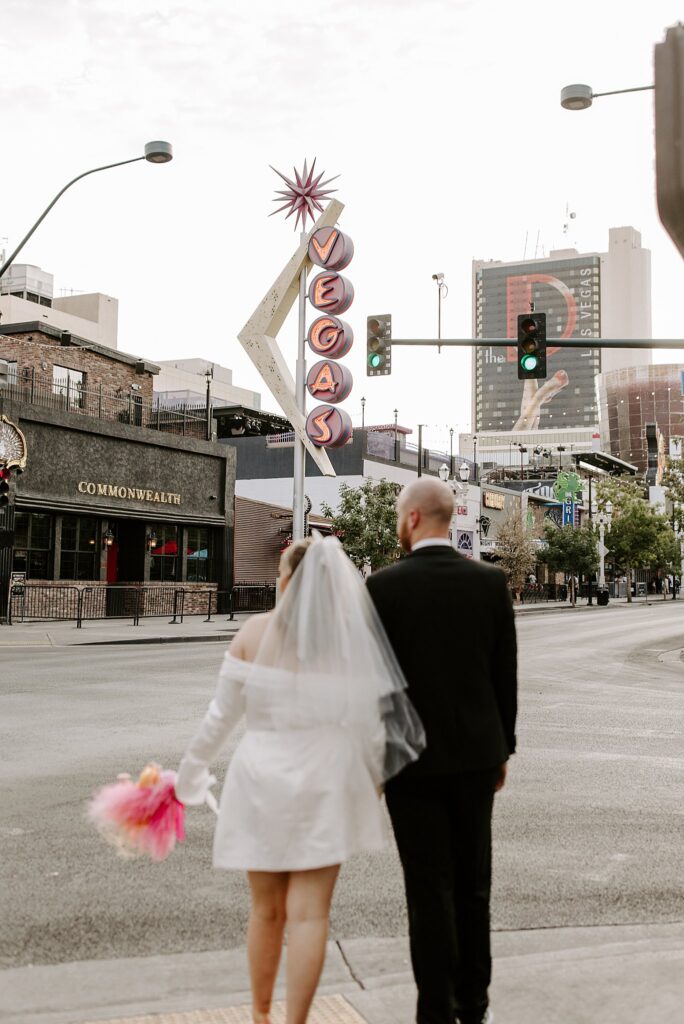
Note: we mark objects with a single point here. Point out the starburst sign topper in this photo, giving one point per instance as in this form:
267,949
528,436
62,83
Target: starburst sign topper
303,195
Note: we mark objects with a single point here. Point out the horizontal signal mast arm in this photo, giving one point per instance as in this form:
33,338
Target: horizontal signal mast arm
551,342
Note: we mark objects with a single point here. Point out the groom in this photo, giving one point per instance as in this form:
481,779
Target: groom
450,622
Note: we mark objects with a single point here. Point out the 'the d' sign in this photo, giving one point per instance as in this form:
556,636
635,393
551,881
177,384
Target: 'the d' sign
331,249
331,293
330,336
328,427
329,382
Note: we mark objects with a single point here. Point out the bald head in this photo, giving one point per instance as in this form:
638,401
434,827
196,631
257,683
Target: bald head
425,510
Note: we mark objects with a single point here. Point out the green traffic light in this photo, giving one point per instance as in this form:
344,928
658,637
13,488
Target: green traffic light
529,363
374,361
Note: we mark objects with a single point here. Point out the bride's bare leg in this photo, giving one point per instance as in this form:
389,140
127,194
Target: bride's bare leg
265,936
309,894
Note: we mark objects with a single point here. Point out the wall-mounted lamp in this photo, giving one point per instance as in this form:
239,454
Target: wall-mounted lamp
108,539
151,540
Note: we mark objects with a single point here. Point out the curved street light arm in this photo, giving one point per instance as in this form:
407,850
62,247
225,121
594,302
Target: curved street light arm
8,262
618,92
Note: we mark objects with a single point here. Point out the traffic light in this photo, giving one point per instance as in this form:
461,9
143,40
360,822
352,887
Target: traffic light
4,487
532,346
378,345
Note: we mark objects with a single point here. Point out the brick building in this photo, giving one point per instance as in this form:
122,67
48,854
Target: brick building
117,491
635,397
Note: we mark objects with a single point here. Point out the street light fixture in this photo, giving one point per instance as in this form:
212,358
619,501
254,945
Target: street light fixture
155,153
581,97
459,487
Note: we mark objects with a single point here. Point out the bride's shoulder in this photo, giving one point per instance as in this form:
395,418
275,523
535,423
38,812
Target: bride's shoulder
247,639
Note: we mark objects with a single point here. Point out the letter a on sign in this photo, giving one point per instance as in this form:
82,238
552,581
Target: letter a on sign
324,381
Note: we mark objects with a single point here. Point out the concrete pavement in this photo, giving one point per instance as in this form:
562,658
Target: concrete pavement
220,628
119,631
632,974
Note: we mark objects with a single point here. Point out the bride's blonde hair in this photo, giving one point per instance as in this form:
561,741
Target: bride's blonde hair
293,555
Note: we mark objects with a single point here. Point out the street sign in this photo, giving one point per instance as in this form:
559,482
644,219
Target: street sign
568,512
602,550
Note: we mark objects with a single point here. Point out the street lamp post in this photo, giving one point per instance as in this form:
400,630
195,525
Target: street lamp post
155,153
363,413
603,521
459,487
442,292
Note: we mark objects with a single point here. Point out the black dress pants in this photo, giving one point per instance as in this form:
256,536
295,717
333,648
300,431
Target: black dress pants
442,826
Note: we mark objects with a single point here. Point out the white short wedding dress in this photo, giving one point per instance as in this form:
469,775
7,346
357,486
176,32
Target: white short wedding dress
302,787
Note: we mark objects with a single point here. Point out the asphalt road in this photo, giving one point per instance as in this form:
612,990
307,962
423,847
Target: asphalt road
588,831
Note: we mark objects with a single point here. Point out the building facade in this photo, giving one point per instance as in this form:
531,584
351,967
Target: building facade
634,398
584,296
113,499
26,294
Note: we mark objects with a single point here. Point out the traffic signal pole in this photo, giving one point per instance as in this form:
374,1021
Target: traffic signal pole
677,343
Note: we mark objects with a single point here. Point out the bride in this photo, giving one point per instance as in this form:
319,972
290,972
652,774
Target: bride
327,722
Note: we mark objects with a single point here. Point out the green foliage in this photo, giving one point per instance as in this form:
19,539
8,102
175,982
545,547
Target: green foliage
366,523
666,551
673,482
639,537
570,549
622,492
514,549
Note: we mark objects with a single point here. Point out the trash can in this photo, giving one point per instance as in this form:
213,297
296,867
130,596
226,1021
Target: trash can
602,596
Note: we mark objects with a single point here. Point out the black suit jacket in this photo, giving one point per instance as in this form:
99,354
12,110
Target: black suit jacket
450,621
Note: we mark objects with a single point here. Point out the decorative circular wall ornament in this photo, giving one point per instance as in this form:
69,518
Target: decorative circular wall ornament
331,249
328,427
331,293
329,336
13,449
329,382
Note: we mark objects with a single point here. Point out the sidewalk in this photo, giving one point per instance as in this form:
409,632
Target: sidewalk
120,631
221,629
631,974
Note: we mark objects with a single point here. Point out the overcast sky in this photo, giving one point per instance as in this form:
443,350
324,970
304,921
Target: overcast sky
442,118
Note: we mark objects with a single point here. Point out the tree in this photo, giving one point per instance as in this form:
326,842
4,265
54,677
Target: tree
632,539
515,550
572,550
366,523
666,552
673,482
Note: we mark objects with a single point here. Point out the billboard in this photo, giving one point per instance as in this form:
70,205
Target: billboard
569,292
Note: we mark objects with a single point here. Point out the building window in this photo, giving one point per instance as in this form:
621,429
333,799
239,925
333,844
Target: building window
11,372
69,385
33,545
199,557
162,541
79,556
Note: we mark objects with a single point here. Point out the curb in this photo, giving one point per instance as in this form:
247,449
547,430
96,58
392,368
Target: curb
215,638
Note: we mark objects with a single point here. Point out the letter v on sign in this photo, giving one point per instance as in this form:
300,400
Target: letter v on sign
324,251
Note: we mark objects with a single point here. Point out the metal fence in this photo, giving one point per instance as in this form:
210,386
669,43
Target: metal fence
122,406
33,602
537,593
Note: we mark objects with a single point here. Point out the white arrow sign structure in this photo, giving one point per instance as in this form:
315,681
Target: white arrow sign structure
259,337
